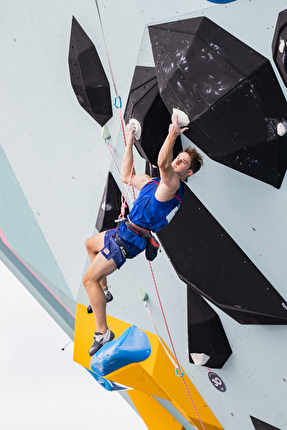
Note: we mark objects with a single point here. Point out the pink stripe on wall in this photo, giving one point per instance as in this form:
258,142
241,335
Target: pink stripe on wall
5,241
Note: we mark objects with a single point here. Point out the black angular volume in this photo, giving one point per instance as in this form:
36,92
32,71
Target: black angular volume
261,425
146,106
229,92
205,331
279,45
110,207
209,260
88,77
151,170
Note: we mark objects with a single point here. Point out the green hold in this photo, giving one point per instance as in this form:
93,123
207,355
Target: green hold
142,294
105,133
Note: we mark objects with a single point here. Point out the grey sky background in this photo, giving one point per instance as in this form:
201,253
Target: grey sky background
41,386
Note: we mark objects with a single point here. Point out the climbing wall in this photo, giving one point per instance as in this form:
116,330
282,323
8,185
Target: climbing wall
75,67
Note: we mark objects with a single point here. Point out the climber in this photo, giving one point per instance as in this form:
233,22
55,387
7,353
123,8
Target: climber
157,199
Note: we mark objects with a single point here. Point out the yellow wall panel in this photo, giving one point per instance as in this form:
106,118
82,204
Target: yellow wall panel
165,376
135,376
156,375
155,416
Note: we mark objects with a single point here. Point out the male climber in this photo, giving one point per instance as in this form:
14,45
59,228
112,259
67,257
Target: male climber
158,197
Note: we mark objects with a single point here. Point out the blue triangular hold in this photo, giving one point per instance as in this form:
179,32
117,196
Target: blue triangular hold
106,384
132,346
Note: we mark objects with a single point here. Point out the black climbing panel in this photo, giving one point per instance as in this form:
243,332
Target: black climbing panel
88,77
230,93
261,425
279,45
209,260
152,171
146,105
110,208
205,332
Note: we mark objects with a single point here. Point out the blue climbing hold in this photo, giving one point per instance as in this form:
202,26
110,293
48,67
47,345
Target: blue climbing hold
221,1
106,384
131,347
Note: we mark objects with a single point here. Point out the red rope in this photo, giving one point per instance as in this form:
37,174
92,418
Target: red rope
123,125
172,346
123,207
115,88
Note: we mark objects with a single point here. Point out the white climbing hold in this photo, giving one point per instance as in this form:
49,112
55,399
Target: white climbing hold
183,119
135,125
199,359
282,45
281,130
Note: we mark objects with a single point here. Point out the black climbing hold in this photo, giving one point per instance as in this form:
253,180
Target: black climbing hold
261,425
88,77
152,171
279,45
229,92
205,331
146,106
209,260
110,207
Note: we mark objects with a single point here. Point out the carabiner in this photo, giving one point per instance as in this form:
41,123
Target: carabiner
120,101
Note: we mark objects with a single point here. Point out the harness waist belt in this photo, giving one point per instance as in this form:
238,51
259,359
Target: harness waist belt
137,229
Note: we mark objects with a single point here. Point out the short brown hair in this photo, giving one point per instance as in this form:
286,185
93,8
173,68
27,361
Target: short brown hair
196,159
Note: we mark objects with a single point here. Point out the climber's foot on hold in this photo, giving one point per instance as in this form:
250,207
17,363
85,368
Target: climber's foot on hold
99,340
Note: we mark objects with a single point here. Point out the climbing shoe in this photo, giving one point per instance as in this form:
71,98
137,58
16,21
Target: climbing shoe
109,298
99,340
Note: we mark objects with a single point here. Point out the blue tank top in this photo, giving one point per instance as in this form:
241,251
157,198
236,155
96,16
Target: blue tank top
150,213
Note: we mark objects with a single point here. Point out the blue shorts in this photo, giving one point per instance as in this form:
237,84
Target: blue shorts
112,250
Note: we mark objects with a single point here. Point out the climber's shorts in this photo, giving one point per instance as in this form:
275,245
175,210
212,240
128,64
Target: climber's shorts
117,249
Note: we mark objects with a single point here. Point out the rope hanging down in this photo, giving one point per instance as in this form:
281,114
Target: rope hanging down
123,207
102,28
118,105
178,368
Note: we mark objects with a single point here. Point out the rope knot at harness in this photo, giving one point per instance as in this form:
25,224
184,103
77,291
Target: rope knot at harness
123,206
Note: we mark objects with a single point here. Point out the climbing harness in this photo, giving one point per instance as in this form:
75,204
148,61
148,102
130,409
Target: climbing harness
152,245
137,229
